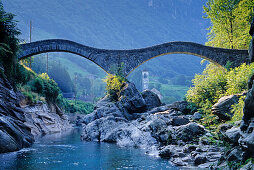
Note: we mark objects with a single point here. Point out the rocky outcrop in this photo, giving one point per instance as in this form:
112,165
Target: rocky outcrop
163,130
223,107
21,123
247,124
151,99
45,119
131,99
181,106
14,134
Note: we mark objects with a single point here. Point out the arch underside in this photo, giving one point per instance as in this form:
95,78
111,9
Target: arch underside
133,58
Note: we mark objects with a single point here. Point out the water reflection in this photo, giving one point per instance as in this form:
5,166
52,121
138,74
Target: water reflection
66,151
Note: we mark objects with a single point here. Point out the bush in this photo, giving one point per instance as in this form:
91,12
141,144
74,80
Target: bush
237,109
71,106
114,85
216,82
207,87
29,81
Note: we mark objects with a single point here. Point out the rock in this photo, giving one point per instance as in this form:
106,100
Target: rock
190,148
200,159
197,116
159,110
233,135
157,92
45,119
14,134
179,162
189,132
167,152
224,127
180,120
181,106
247,137
151,99
248,166
229,133
223,107
235,155
131,99
247,125
205,165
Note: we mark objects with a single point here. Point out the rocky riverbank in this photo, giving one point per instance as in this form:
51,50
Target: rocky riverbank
20,123
140,120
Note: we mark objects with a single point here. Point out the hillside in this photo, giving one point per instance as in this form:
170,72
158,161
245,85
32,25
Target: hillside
117,25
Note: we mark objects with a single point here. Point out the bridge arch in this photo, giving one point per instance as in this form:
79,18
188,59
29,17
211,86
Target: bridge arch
135,57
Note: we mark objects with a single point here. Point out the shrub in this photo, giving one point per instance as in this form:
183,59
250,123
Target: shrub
114,85
237,109
238,77
72,106
216,82
207,87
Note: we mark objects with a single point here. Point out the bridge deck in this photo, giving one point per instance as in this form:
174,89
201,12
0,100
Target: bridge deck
107,59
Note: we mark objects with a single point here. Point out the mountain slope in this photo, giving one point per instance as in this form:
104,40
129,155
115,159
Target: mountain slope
117,24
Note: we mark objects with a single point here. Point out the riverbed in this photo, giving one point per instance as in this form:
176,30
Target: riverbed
67,151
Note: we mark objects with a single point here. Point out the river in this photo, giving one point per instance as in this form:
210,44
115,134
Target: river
67,151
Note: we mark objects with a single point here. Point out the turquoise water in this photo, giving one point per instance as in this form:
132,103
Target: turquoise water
66,151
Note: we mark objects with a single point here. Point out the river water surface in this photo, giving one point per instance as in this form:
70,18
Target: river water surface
66,151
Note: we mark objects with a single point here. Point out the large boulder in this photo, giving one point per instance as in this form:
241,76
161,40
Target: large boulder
223,107
180,120
189,132
247,137
151,99
231,135
131,99
197,116
181,106
14,134
167,152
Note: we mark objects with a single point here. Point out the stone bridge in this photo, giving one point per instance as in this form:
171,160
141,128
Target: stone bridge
110,59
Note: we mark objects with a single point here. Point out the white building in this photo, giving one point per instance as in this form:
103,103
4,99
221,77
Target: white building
145,80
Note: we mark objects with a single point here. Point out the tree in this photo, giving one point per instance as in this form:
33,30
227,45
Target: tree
9,41
230,21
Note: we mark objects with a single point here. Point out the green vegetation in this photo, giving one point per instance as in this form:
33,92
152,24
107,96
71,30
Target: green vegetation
8,42
72,75
230,29
72,106
216,82
36,87
114,85
230,23
176,27
29,83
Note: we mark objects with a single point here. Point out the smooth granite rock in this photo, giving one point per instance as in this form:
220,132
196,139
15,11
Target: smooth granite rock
14,134
223,107
151,99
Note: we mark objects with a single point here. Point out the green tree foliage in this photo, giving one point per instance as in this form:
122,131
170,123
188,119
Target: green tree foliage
207,87
230,21
216,82
56,71
8,41
29,82
237,109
